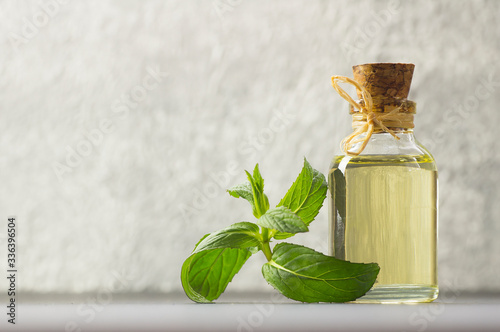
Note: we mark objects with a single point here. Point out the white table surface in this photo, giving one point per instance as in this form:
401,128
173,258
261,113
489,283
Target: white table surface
248,312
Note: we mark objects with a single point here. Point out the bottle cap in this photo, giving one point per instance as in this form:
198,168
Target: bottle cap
385,80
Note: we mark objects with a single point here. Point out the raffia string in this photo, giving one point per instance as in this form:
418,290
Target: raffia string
366,120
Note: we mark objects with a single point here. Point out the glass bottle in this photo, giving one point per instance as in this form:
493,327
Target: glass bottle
383,199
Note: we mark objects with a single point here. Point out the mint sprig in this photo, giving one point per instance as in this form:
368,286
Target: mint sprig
299,273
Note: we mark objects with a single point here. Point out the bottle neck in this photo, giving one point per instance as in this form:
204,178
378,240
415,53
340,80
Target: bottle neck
382,143
390,116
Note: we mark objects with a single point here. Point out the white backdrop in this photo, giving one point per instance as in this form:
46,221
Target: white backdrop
122,123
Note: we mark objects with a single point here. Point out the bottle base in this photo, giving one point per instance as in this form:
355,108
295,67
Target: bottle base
400,294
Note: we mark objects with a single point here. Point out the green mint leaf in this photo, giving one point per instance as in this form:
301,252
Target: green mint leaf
201,240
306,195
244,191
206,274
241,235
259,183
282,235
305,275
261,202
257,177
216,258
282,219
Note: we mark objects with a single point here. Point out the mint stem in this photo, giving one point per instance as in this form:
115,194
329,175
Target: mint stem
266,249
265,244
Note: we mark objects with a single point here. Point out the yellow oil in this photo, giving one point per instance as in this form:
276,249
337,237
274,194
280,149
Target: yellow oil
383,209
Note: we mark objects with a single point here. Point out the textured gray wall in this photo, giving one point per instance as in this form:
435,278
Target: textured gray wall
121,123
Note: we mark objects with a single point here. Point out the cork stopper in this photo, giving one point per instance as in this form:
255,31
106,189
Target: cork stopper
385,80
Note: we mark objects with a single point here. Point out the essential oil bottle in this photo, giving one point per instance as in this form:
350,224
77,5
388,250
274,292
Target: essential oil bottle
384,188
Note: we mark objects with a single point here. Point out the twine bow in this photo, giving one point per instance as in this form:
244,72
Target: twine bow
365,119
